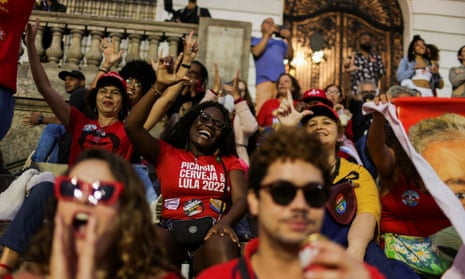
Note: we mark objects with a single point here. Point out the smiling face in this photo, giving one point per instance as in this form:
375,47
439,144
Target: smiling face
453,172
135,90
419,47
287,224
75,213
206,130
326,129
109,100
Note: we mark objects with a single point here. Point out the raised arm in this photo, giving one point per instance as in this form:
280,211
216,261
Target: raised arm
288,115
161,107
381,155
59,106
163,90
110,57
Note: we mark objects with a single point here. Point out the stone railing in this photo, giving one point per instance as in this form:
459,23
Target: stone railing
74,45
72,42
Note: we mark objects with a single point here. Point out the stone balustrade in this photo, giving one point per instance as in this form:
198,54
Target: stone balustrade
74,45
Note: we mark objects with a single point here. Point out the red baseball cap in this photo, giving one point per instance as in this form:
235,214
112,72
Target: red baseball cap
316,95
112,78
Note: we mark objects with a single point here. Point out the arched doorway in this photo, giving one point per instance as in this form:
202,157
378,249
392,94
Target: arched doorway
336,24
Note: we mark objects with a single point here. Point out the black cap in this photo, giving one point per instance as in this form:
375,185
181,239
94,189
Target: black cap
74,73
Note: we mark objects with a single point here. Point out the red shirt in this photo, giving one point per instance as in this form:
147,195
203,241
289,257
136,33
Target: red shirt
267,112
230,270
192,187
87,133
408,211
14,15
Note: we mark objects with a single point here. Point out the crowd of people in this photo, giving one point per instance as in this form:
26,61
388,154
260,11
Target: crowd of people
293,163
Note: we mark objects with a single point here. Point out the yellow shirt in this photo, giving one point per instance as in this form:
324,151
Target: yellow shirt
365,188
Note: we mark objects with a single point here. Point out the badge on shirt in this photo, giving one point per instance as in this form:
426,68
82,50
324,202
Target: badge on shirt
192,207
216,204
410,198
171,204
341,204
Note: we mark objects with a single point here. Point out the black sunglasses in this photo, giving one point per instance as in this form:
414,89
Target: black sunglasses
205,118
283,193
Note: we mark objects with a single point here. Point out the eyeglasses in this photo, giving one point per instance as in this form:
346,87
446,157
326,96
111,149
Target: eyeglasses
133,82
205,118
333,93
283,193
100,192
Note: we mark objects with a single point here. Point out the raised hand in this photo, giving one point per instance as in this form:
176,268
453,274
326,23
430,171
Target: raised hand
288,115
217,80
109,53
31,33
235,90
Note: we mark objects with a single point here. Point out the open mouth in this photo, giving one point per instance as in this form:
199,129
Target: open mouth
80,221
204,133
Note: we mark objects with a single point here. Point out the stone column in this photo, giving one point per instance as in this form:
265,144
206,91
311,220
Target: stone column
173,45
38,41
154,43
74,54
54,52
133,47
94,55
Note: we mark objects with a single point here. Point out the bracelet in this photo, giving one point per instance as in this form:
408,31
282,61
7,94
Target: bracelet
185,66
7,267
103,70
156,92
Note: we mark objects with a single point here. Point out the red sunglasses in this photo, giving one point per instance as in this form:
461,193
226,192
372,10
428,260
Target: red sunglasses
100,192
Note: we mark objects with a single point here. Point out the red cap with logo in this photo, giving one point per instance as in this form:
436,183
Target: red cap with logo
316,95
112,78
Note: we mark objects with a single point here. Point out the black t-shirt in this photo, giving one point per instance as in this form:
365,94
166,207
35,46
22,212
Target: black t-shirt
191,15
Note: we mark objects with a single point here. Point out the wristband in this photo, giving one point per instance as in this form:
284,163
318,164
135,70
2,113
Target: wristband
103,70
186,66
156,92
240,99
40,120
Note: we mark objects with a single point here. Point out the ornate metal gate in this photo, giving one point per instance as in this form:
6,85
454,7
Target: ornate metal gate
333,27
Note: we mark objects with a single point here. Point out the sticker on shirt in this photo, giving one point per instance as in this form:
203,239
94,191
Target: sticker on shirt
341,204
171,204
410,198
217,205
193,207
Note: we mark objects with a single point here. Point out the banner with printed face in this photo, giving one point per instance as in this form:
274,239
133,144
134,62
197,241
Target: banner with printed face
432,132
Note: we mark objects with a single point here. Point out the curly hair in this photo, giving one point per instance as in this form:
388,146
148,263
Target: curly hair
295,84
178,136
138,251
140,70
287,144
411,48
91,99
